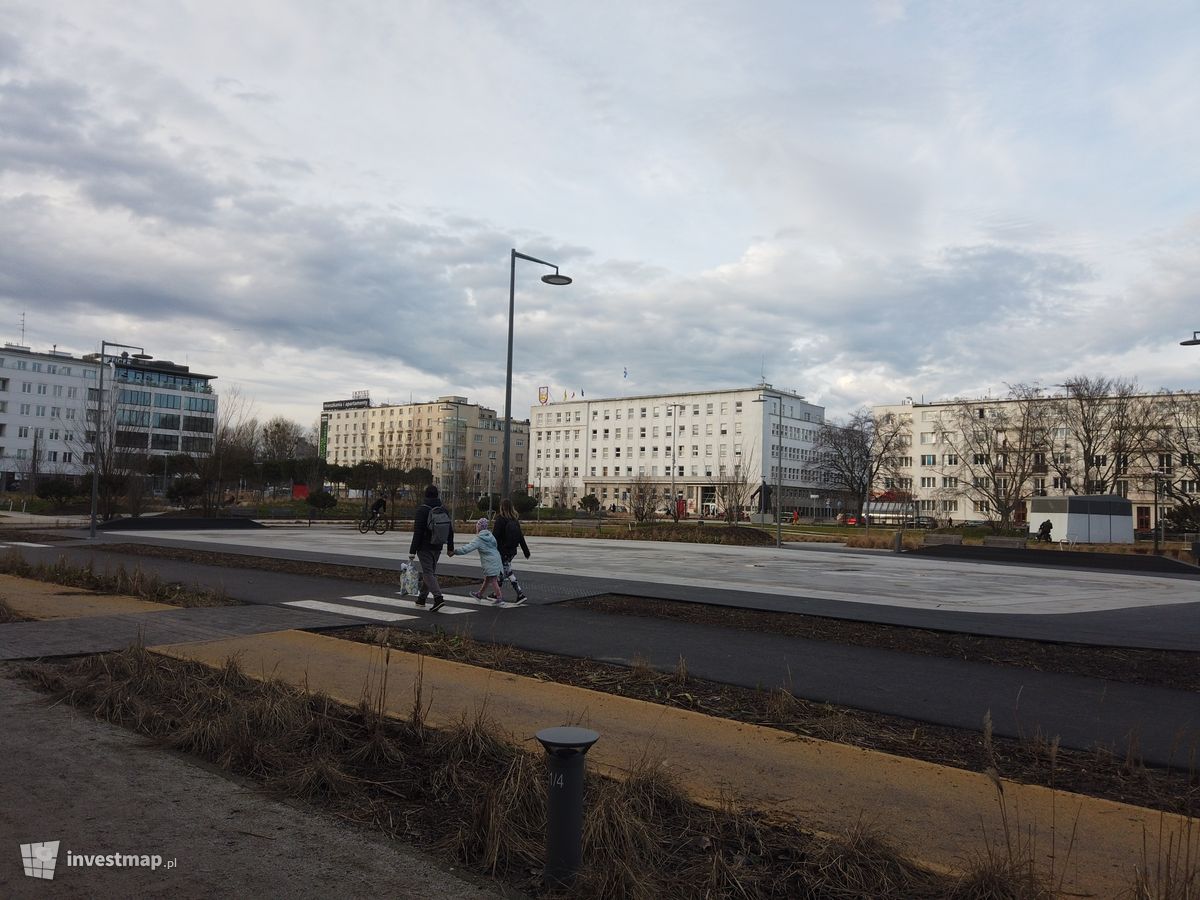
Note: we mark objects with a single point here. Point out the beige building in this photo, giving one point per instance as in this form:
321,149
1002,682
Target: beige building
460,442
972,460
692,442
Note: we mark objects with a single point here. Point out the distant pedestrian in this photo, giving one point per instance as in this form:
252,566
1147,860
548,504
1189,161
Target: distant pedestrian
433,528
489,558
508,538
1044,531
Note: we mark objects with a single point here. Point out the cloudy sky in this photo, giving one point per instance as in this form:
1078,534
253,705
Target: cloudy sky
862,200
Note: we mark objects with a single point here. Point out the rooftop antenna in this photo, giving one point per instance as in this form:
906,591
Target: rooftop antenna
22,327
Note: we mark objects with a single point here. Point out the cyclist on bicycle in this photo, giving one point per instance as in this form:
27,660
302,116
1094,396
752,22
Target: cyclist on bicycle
377,507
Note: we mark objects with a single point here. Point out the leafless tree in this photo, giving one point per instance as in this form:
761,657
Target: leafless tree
1099,424
234,444
732,487
643,492
995,451
855,456
280,439
1169,459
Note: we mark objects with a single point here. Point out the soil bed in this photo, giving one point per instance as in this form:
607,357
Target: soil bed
1032,761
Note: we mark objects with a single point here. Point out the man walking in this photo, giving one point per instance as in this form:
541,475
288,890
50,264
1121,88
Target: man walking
432,529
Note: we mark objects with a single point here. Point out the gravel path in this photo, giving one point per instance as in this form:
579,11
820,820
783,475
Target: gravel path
99,789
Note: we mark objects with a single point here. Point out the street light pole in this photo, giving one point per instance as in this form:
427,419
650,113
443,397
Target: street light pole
778,469
674,407
98,433
555,279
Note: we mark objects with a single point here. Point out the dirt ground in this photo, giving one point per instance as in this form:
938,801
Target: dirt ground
1032,761
100,789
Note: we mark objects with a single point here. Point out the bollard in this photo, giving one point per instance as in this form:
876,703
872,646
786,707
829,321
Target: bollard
898,541
565,748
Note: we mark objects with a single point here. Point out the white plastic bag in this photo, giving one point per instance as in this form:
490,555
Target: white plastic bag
410,581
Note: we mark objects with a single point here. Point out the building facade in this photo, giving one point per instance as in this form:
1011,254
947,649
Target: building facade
984,459
49,406
688,445
460,442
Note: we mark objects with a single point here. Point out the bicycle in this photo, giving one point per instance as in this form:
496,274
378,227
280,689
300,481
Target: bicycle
374,520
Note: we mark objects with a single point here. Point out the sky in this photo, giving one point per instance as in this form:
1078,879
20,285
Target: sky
858,201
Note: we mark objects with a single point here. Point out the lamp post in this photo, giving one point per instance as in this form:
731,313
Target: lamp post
674,407
556,279
778,468
98,442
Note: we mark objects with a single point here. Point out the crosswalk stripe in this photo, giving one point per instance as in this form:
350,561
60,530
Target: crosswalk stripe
346,610
405,604
27,544
454,598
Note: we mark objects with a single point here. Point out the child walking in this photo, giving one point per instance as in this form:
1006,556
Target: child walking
508,538
489,558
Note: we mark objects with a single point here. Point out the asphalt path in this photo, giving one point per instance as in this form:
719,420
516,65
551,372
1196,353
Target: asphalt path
1156,611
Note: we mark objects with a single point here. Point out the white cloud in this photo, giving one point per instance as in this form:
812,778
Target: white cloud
862,201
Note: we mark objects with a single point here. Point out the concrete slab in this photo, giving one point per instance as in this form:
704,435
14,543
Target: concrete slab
811,571
935,813
42,600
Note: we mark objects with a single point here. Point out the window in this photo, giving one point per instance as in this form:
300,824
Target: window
928,481
949,482
41,389
928,459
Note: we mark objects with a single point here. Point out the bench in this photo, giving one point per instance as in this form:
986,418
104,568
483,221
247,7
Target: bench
933,540
1010,543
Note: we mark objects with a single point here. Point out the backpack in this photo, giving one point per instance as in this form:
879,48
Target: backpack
439,526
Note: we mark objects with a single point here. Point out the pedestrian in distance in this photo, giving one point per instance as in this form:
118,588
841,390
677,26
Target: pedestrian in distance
489,558
508,538
433,529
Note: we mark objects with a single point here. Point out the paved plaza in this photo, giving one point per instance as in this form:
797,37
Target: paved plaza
812,571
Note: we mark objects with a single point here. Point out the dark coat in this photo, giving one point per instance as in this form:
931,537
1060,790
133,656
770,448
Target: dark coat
509,537
421,535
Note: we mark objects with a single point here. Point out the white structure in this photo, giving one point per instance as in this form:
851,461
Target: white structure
458,441
1099,519
48,403
686,442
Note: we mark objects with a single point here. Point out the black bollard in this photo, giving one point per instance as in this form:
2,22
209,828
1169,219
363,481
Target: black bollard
565,747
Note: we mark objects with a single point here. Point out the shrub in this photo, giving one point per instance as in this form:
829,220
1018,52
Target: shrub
321,500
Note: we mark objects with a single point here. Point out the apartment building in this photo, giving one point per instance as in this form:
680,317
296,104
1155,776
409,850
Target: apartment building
49,402
975,459
687,442
460,442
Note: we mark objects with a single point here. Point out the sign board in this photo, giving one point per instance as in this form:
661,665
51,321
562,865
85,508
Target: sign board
356,403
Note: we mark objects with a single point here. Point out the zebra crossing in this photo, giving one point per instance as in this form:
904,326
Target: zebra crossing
9,544
396,608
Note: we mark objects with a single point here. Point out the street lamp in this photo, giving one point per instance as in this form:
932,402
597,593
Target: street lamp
1193,342
674,407
778,469
99,432
555,279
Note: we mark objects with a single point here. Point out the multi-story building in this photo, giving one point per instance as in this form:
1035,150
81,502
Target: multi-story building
460,442
48,406
983,459
691,443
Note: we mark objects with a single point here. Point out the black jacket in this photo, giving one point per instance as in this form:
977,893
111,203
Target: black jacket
420,538
509,536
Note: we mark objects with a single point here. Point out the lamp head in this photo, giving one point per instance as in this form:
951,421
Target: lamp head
1193,342
556,278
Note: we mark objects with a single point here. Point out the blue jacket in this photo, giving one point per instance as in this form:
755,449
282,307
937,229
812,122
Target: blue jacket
489,554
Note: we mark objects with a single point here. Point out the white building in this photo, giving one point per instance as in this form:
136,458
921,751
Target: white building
686,442
48,403
460,442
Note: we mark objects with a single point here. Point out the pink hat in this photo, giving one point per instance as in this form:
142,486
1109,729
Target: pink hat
481,525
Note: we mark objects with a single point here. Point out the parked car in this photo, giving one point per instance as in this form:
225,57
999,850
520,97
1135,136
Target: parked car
922,522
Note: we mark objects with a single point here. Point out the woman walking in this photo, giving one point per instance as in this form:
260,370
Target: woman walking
508,538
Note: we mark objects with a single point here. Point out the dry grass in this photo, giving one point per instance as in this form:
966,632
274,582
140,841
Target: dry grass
469,791
8,614
138,583
1172,872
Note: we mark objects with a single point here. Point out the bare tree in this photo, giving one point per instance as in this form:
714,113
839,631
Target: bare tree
1169,459
854,457
993,452
281,439
643,491
234,442
732,487
1099,423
